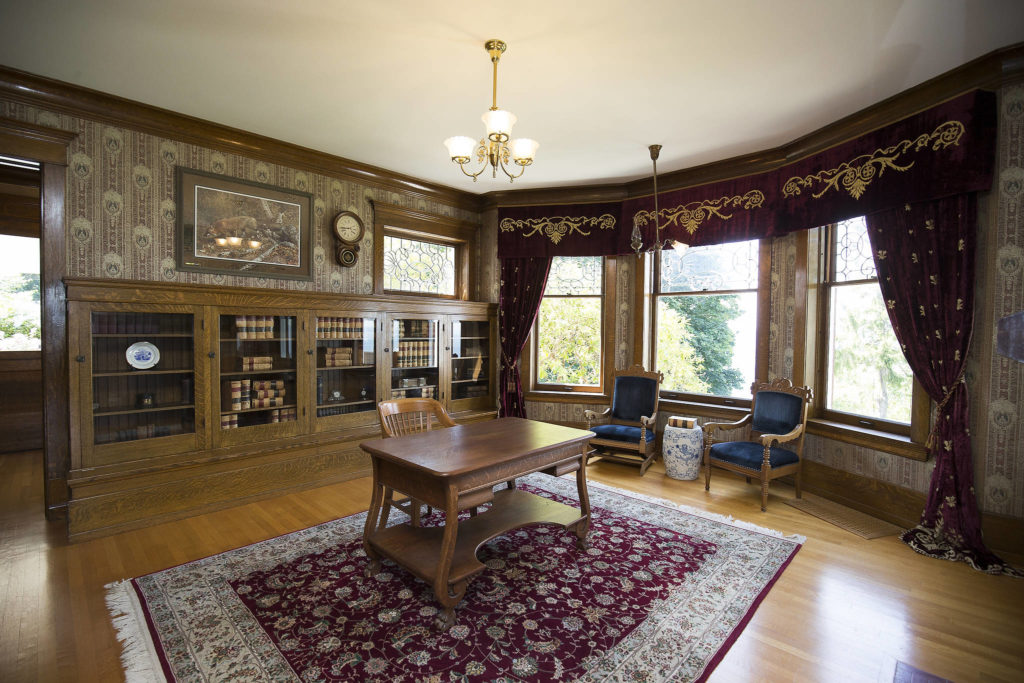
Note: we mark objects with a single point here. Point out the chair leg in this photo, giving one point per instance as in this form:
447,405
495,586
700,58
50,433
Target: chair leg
764,495
707,473
748,479
414,511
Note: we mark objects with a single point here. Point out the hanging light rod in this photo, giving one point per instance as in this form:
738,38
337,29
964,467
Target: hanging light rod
497,148
636,239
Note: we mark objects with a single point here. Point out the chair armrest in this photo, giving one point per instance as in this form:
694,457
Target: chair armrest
711,427
592,415
768,439
646,421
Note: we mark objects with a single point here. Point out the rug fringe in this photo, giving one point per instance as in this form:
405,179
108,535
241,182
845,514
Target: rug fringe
138,656
697,512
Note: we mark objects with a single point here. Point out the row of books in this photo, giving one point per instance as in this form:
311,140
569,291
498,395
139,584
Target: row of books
473,390
414,354
414,328
146,431
418,392
257,362
254,326
339,328
259,393
338,357
230,420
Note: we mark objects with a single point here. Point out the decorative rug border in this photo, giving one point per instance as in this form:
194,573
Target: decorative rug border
139,657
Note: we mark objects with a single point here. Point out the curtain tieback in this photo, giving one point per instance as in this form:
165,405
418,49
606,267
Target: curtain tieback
941,406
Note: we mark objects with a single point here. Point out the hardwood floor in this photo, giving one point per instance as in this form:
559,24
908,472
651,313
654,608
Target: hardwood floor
845,610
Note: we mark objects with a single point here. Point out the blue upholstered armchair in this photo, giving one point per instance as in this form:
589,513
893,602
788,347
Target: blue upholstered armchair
628,435
773,445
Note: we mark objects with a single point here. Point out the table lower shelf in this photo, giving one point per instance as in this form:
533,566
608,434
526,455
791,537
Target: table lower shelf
418,549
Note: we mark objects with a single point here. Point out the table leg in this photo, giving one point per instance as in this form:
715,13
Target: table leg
448,596
373,565
581,488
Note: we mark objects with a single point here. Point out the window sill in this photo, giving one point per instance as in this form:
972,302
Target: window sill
697,409
886,442
567,397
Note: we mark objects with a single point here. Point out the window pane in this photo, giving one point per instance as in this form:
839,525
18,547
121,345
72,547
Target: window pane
868,374
853,251
575,275
569,341
717,267
19,293
706,343
415,266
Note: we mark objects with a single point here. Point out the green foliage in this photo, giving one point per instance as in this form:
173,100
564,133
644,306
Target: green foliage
870,375
569,341
711,341
677,359
19,312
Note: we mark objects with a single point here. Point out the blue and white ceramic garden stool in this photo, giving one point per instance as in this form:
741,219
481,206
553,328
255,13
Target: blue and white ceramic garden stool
682,449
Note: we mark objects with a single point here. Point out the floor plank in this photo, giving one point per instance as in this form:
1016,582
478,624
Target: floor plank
846,609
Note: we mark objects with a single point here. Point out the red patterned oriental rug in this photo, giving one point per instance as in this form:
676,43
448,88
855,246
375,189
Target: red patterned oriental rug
660,595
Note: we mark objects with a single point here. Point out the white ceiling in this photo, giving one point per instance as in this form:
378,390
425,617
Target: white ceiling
385,82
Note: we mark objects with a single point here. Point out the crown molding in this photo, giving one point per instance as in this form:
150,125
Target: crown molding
94,105
991,71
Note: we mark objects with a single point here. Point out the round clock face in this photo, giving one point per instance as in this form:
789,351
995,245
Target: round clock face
348,228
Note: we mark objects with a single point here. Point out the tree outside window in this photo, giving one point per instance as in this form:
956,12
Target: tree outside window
568,328
706,319
20,310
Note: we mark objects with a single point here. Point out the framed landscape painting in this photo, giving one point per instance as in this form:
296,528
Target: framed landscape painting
238,227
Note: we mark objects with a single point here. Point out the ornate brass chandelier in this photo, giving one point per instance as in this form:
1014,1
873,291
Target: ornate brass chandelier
636,239
497,149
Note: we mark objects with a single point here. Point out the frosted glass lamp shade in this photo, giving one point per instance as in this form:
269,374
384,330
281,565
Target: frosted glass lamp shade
460,146
524,149
499,124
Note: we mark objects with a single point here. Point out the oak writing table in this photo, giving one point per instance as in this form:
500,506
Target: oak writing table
457,469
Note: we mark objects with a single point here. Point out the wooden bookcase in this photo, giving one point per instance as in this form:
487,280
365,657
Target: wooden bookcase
255,392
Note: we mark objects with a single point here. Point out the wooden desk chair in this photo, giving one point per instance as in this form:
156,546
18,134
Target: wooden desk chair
777,416
399,417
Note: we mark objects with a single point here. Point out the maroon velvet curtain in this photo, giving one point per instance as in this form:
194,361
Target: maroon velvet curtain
924,254
522,287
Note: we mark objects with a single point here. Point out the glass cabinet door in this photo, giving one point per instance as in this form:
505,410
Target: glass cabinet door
413,346
258,367
141,380
471,369
346,376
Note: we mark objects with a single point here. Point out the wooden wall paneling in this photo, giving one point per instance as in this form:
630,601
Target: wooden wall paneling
21,401
49,147
898,505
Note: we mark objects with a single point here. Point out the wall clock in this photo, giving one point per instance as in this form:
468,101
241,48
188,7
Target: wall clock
348,232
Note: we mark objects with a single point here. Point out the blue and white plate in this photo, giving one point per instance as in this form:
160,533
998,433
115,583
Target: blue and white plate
142,355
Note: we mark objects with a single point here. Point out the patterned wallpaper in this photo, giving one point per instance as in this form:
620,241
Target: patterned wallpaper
121,209
999,412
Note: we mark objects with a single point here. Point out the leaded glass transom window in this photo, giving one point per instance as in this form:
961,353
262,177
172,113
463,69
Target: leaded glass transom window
574,276
713,268
853,251
418,266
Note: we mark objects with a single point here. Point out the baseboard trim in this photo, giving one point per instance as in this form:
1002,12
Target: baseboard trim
900,506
